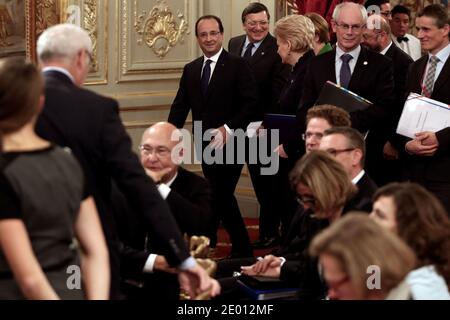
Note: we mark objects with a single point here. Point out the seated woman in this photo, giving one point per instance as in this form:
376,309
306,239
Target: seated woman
362,261
420,220
323,188
45,211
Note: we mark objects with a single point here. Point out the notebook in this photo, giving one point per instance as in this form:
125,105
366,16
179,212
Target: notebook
343,98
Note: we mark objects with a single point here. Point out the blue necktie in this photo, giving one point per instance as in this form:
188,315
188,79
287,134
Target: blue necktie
345,74
204,81
248,51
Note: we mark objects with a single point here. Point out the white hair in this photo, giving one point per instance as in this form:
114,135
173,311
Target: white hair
339,7
62,41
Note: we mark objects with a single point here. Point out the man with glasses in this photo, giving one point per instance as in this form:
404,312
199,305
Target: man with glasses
348,147
380,7
321,118
377,37
89,124
400,23
221,92
352,66
259,47
189,198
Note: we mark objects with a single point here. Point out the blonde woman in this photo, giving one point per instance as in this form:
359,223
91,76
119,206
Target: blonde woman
362,261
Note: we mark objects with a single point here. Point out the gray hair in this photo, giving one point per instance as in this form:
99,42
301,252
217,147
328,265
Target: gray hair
62,41
339,7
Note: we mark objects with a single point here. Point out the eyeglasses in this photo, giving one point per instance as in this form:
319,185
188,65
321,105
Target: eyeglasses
335,152
386,13
212,34
354,27
305,199
160,152
253,24
309,135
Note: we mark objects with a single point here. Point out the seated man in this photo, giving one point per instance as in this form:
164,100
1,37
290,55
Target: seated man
188,196
348,147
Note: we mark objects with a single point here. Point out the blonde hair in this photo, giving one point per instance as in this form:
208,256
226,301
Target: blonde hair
358,242
327,179
298,30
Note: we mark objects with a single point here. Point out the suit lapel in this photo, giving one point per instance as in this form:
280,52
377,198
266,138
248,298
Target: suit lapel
261,51
217,74
443,76
418,74
360,69
197,74
331,61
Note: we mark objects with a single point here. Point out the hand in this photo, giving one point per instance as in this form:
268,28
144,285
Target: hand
416,146
261,131
196,281
271,272
281,152
389,152
269,261
162,265
427,138
158,176
220,137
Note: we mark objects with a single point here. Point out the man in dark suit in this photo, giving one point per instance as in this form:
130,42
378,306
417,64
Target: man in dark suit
259,47
221,92
189,198
348,147
357,68
428,161
377,37
90,126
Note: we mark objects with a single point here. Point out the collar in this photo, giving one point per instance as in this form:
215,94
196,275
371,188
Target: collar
328,47
255,44
354,53
386,49
358,177
443,54
169,183
59,69
214,58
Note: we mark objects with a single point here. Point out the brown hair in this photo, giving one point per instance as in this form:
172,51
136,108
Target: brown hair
327,179
21,85
358,243
336,117
437,12
321,26
422,222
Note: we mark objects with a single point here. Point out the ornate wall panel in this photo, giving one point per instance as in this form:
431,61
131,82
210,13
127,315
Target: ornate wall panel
155,38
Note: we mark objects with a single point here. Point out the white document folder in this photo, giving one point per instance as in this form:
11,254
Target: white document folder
423,114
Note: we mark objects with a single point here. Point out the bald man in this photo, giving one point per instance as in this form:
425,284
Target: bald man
189,198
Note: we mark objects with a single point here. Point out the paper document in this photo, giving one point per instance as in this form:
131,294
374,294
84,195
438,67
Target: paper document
423,114
252,127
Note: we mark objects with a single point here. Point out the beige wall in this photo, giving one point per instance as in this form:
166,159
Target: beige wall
144,83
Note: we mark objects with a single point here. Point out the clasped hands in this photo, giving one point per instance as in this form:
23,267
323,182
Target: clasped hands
269,266
424,144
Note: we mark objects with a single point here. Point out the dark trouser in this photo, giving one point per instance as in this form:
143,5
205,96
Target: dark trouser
442,191
223,179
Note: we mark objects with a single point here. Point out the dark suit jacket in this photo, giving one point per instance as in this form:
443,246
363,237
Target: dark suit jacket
362,201
190,203
89,124
401,62
435,168
372,79
270,73
231,98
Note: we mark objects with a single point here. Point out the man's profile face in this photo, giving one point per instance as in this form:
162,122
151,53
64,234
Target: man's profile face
370,39
256,26
209,37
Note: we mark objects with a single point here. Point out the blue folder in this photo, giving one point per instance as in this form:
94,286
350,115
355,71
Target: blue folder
285,124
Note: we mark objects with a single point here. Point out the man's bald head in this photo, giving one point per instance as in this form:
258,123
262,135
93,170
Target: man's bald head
159,150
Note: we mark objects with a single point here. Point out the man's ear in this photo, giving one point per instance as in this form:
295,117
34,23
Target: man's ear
333,25
357,156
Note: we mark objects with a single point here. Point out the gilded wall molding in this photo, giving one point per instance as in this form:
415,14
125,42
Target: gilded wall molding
151,39
158,29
